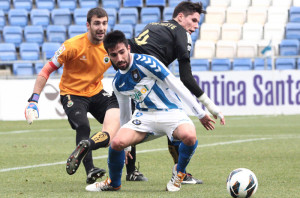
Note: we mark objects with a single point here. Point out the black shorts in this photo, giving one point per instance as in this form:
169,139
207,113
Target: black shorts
77,107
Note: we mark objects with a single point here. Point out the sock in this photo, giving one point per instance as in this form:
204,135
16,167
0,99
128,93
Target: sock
185,154
99,140
116,160
173,149
130,166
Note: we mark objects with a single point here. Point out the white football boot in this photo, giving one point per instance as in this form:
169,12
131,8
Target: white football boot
175,183
101,186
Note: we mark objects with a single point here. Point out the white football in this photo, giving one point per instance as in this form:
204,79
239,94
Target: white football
242,182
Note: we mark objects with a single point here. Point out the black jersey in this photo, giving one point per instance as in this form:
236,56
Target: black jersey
168,41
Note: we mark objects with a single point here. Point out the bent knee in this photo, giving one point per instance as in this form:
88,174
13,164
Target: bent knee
189,139
118,144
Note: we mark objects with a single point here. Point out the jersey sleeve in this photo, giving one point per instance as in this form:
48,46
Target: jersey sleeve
183,46
62,54
177,86
124,105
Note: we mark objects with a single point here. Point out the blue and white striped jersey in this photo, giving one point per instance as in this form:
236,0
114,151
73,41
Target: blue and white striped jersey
152,86
138,84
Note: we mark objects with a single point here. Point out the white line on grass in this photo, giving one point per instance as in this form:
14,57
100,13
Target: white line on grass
143,151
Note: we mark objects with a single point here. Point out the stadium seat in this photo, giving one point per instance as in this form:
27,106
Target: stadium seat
61,16
56,33
49,48
220,64
111,4
240,3
161,3
128,16
132,3
292,31
138,28
110,72
29,51
261,3
23,69
88,3
294,14
272,50
236,15
127,29
285,63
246,49
195,35
34,33
200,64
215,15
273,31
68,4
205,3
150,14
257,15
18,17
112,16
231,32
296,3
5,5
40,17
38,66
252,32
210,32
22,4
74,30
13,34
8,52
277,15
289,47
168,13
204,49
2,20
262,64
45,4
242,64
225,49
173,3
80,16
282,4
218,3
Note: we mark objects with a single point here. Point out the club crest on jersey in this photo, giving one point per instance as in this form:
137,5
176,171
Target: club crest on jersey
59,51
106,59
136,122
136,75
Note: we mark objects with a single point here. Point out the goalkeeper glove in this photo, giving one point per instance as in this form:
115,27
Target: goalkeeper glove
32,110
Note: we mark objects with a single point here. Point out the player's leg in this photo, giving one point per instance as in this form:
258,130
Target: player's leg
116,157
173,147
76,110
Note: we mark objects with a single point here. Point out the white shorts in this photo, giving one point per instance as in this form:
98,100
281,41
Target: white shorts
157,123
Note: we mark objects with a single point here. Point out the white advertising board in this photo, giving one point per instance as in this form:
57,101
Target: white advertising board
236,92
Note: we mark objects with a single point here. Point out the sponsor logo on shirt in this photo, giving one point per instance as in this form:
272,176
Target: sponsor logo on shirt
83,57
59,51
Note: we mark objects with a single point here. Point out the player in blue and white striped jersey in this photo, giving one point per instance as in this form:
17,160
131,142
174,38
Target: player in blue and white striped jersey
158,96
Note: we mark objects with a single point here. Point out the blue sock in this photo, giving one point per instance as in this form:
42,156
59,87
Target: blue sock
185,154
116,160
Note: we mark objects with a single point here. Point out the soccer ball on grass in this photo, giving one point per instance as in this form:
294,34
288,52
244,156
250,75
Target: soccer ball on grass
242,182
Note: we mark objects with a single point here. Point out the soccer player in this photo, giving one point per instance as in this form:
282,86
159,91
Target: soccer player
167,41
157,95
84,61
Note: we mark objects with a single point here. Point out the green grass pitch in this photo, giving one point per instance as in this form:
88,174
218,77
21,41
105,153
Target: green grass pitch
32,160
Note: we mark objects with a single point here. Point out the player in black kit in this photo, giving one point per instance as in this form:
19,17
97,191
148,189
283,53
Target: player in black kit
167,41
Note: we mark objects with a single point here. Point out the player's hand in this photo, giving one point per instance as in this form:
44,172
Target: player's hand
207,122
221,116
31,112
127,154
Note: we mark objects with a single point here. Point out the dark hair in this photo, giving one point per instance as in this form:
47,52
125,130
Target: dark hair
113,38
99,12
188,8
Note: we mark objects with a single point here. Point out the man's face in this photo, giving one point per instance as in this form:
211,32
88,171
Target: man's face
97,28
120,56
190,22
